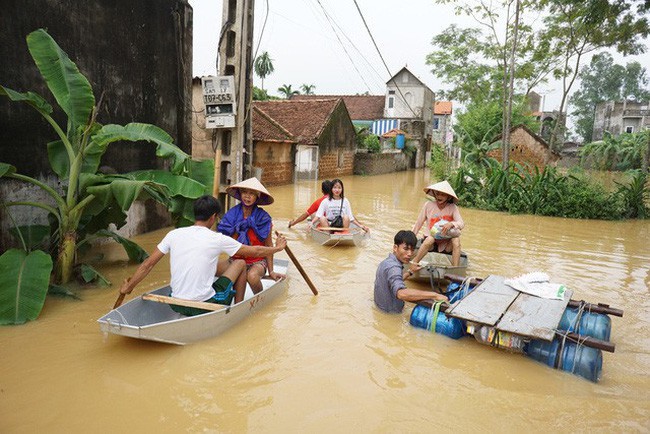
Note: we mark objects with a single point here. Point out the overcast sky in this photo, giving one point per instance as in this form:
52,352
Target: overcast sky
305,49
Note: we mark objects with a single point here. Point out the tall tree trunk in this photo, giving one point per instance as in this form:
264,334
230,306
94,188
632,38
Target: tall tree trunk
65,257
511,81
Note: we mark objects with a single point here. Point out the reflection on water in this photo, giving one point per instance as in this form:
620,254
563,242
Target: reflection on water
333,362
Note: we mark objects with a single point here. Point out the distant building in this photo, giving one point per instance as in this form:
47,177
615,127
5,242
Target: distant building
363,109
619,117
410,102
442,126
526,147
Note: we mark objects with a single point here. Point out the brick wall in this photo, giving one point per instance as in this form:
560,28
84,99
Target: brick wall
526,149
329,167
376,164
276,161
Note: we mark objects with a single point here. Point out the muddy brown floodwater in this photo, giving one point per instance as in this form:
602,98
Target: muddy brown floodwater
334,363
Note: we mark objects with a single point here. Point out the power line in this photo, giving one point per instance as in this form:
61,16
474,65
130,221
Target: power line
382,58
343,45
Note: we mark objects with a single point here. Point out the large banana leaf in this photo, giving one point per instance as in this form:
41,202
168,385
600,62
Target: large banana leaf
134,251
29,97
33,235
6,169
70,88
24,280
126,191
134,132
203,172
177,185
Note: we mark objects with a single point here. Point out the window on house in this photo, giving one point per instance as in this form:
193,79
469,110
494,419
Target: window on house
391,102
629,129
391,92
436,123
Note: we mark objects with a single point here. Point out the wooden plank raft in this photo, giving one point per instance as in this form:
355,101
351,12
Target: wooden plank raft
497,305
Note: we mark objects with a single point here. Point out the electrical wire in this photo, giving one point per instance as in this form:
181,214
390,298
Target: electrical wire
382,58
329,20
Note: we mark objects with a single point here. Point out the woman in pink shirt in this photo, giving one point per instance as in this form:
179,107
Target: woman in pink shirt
444,222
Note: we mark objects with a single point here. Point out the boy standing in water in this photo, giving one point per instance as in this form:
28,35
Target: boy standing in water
390,290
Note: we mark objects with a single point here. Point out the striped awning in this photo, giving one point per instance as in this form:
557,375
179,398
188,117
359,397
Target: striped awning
380,126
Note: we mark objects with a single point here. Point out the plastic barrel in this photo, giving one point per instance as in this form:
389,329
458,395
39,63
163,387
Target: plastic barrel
451,327
456,292
596,325
584,361
399,141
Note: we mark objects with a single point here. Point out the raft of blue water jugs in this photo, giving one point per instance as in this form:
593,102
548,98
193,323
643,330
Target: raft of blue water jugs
561,353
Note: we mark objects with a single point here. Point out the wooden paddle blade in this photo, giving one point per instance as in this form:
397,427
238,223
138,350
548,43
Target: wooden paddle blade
299,267
118,302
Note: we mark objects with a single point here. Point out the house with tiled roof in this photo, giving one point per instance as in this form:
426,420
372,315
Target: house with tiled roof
409,107
318,132
272,149
442,131
363,109
526,147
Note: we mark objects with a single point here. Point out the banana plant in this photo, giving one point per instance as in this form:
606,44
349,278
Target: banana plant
91,200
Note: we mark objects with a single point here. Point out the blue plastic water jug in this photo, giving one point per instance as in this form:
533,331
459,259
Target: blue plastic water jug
452,327
580,360
596,325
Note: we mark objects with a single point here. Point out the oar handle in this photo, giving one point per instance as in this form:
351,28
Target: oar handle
299,267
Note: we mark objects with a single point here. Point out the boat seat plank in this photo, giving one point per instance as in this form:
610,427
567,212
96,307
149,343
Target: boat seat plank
534,317
181,302
487,303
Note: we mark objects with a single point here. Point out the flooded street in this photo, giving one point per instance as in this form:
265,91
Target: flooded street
334,363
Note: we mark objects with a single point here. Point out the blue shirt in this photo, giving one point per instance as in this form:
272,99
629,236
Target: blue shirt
388,281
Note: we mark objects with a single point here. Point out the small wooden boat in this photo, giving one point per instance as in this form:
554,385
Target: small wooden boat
436,265
352,236
154,321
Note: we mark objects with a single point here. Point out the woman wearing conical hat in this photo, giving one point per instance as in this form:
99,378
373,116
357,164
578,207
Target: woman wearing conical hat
250,225
444,222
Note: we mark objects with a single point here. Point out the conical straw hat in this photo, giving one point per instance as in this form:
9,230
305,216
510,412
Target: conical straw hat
442,186
251,184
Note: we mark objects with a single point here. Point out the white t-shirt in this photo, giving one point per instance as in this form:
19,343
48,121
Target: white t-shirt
331,208
195,251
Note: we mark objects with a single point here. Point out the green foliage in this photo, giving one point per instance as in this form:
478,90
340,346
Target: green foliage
624,152
410,149
438,162
286,91
263,66
24,278
307,89
635,196
522,190
603,80
371,142
482,121
93,200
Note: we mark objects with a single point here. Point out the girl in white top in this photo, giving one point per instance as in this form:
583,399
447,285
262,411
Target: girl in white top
336,205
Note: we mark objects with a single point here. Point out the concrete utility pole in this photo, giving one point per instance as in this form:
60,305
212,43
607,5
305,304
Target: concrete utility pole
234,153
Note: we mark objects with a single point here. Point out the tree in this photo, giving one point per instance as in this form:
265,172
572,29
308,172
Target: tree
263,66
307,89
603,80
574,28
286,90
91,200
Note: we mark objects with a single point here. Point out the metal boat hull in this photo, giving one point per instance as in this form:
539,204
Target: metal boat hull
154,321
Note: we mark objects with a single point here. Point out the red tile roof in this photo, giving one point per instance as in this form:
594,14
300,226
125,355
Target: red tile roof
266,129
360,107
442,108
304,120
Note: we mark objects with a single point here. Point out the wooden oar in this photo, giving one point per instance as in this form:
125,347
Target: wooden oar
299,267
179,302
118,302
